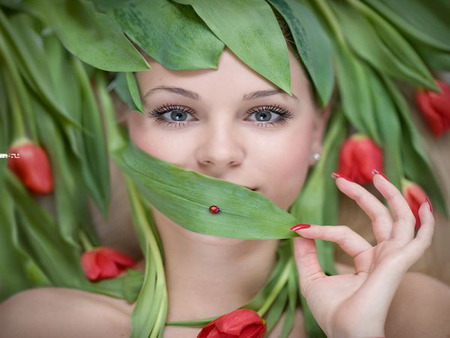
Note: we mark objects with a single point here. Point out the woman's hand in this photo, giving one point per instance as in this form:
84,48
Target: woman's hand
356,305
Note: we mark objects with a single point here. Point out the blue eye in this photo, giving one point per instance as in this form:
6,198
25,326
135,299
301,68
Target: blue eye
268,115
172,115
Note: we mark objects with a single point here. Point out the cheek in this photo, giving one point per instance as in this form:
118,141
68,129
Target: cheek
155,141
288,167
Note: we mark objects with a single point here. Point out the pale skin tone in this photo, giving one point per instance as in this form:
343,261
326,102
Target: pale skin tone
223,132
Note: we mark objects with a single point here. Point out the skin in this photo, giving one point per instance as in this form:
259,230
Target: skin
375,298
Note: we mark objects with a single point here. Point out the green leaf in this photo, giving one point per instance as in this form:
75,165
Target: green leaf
390,129
185,197
374,42
120,85
186,43
58,259
93,37
70,195
424,21
313,45
148,320
26,41
276,310
94,163
251,31
352,78
417,165
134,91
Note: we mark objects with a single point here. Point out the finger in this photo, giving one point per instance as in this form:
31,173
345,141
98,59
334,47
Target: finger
348,240
417,247
404,220
377,212
309,269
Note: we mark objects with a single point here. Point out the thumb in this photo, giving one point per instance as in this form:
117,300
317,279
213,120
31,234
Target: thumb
305,253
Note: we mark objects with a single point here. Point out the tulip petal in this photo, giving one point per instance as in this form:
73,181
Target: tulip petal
89,264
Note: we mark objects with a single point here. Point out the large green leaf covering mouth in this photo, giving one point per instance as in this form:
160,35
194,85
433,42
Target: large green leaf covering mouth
185,197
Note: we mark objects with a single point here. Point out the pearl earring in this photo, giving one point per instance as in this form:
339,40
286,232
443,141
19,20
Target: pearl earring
316,157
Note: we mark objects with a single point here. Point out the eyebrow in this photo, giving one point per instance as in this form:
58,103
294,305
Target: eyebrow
175,90
195,96
264,93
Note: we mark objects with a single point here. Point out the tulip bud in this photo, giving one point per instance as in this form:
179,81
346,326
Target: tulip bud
435,107
103,263
243,323
358,157
415,196
31,164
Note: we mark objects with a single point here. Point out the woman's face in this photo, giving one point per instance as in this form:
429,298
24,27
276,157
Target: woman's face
230,124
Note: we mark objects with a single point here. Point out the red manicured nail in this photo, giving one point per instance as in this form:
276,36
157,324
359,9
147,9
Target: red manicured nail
375,172
336,175
430,205
300,226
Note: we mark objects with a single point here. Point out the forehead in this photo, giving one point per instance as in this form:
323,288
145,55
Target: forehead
231,75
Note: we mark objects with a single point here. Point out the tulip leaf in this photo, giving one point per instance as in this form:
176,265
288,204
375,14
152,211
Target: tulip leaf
358,109
186,43
418,19
374,45
148,320
264,48
436,59
35,70
58,259
318,200
126,287
95,163
122,89
134,91
70,196
390,129
274,314
313,45
417,165
93,37
185,197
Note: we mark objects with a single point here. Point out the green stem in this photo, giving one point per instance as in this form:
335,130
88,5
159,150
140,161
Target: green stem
277,288
85,242
154,257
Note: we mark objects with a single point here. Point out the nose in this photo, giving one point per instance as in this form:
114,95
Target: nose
219,149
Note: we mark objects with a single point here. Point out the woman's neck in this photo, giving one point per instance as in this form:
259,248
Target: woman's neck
209,276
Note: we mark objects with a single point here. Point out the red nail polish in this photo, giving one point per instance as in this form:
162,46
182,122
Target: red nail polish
375,172
336,175
430,205
300,226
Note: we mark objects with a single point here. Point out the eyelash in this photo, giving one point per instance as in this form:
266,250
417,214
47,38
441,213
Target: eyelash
157,114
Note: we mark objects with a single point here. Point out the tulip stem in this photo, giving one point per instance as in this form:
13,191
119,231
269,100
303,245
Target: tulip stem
85,242
277,287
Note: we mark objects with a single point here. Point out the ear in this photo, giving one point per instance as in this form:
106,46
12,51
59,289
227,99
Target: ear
319,129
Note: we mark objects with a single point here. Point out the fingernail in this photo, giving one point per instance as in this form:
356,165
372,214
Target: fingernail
336,175
300,226
375,172
429,205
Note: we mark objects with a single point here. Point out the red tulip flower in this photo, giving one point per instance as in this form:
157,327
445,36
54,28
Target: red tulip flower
31,164
415,196
242,323
104,263
435,107
359,155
